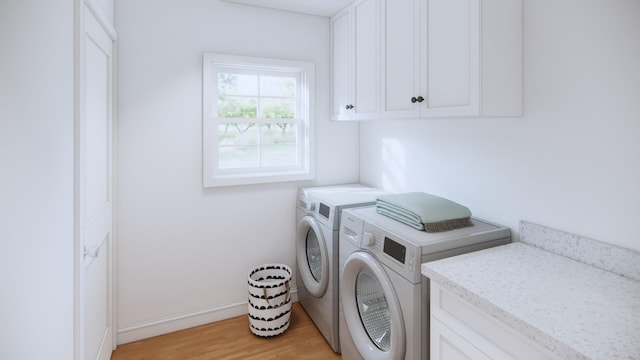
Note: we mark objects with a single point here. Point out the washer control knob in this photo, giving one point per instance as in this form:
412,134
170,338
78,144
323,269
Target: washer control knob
368,239
311,206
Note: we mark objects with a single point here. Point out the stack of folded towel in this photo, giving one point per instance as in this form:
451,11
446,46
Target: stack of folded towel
424,211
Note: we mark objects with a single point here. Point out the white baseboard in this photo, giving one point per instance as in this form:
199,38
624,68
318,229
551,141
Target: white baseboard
147,329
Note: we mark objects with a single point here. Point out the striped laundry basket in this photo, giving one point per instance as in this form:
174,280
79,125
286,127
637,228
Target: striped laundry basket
269,299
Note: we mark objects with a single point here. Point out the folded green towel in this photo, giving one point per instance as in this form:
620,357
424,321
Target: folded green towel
424,211
407,220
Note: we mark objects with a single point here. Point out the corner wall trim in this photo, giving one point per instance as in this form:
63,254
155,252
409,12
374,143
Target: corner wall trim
147,329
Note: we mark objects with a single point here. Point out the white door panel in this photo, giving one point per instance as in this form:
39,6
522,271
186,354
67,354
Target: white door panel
98,334
95,130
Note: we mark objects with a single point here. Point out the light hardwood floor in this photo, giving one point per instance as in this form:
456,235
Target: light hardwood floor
232,339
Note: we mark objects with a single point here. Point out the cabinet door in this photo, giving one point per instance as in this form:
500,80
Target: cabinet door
447,345
400,62
459,330
451,66
341,62
366,55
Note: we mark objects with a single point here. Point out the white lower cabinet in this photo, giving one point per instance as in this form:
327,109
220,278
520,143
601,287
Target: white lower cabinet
447,345
459,330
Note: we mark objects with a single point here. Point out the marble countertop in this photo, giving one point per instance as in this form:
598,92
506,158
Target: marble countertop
575,310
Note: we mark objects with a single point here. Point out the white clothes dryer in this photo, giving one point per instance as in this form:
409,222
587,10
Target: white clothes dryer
384,312
318,222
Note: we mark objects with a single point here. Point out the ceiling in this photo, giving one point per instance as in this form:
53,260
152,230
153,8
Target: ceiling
311,7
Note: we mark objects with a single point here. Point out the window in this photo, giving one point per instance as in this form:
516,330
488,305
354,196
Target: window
256,120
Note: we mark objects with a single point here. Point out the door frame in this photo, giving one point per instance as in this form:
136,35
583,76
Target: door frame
78,250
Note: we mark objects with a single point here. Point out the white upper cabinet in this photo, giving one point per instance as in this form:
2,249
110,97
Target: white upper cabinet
400,75
341,100
355,56
366,58
436,58
450,58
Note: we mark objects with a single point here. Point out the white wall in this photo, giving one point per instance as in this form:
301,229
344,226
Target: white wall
36,179
184,250
572,162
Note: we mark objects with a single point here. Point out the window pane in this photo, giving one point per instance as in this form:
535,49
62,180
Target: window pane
237,84
277,108
256,120
277,86
279,155
279,133
237,157
237,107
238,134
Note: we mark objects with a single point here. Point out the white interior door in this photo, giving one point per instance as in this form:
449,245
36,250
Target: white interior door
95,140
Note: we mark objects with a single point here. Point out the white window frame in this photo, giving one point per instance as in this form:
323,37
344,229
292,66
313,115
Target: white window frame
213,176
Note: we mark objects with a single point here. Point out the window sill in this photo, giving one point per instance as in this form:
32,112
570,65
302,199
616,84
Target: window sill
261,178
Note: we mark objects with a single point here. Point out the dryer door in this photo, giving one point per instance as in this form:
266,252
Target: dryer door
371,309
312,256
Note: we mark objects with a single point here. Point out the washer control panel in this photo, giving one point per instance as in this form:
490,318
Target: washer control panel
351,228
392,250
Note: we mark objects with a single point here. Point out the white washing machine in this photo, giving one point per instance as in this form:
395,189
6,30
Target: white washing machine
385,309
318,223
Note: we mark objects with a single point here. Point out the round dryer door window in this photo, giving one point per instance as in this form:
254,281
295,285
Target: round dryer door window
373,309
312,256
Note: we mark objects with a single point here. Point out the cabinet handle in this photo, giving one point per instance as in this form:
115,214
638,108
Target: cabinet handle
417,99
420,99
349,107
